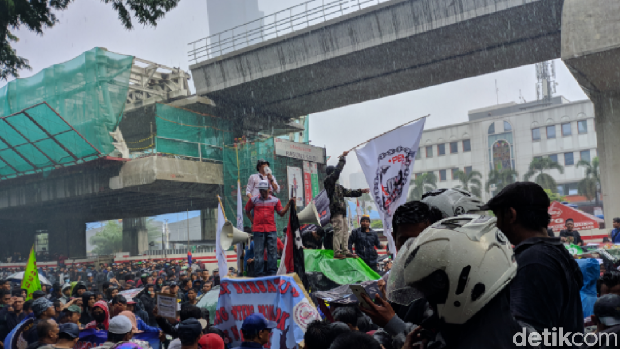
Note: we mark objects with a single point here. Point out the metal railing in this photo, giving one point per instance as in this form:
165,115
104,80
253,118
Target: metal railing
275,25
206,249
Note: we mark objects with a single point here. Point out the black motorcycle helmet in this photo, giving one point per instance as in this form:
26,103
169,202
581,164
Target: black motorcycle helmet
260,163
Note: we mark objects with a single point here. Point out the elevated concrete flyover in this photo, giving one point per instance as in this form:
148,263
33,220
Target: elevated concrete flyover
389,48
66,199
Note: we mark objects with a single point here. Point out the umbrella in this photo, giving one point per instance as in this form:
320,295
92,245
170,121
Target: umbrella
19,276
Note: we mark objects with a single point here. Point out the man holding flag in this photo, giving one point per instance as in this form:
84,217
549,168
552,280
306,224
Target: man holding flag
264,227
337,207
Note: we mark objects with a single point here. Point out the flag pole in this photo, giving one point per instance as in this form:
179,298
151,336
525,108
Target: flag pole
397,127
222,206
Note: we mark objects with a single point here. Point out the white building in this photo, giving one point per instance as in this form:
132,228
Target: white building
510,136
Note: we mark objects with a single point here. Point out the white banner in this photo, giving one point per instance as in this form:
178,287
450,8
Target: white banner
387,162
295,184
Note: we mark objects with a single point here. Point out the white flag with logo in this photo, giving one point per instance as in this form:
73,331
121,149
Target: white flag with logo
222,264
387,162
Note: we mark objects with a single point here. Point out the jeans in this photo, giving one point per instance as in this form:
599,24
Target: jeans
262,241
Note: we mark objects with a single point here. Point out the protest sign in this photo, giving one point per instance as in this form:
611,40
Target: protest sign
167,305
278,298
130,294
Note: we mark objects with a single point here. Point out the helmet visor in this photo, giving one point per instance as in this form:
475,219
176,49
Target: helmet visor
397,290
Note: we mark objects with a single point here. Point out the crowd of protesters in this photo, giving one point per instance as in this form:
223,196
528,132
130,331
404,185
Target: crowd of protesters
84,297
467,274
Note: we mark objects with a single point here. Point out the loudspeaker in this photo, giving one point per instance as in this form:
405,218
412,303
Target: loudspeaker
232,236
309,215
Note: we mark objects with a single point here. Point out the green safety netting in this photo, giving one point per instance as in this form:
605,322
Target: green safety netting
187,133
240,162
36,139
89,92
341,271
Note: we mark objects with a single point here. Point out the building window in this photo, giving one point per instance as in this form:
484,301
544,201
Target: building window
501,155
466,145
568,159
566,130
442,175
550,131
507,126
585,155
582,126
468,169
536,134
429,151
454,170
492,129
441,149
418,155
454,147
553,157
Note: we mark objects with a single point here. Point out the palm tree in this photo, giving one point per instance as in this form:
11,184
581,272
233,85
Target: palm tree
537,168
501,178
471,181
423,183
590,185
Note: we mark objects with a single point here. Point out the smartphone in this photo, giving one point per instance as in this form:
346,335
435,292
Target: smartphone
358,291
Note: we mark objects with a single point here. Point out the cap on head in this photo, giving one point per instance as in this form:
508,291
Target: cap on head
257,322
120,324
74,309
189,329
607,309
263,185
365,218
260,163
70,328
211,341
329,170
520,195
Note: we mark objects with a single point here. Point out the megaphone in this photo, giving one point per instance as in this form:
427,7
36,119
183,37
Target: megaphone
231,236
309,215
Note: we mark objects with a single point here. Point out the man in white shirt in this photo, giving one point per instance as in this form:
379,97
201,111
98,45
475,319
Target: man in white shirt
263,174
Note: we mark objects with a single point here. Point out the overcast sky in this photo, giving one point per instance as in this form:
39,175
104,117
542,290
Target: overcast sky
90,23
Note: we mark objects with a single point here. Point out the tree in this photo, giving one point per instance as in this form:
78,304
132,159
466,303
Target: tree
37,15
554,196
537,168
470,181
589,186
500,178
423,183
376,224
109,240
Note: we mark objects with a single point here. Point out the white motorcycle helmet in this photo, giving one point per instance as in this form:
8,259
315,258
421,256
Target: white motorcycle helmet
262,185
458,263
453,202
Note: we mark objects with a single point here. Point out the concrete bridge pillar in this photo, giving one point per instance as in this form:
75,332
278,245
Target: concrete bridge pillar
591,50
135,236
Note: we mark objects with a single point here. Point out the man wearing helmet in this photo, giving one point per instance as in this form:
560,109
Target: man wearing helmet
338,208
463,266
545,291
264,227
264,174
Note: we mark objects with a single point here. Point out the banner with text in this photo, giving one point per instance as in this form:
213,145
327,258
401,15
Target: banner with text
278,298
307,183
299,150
315,179
387,162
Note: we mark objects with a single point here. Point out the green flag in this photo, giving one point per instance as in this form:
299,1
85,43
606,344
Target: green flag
31,282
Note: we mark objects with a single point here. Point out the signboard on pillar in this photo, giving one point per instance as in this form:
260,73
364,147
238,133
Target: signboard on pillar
295,184
314,174
307,183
